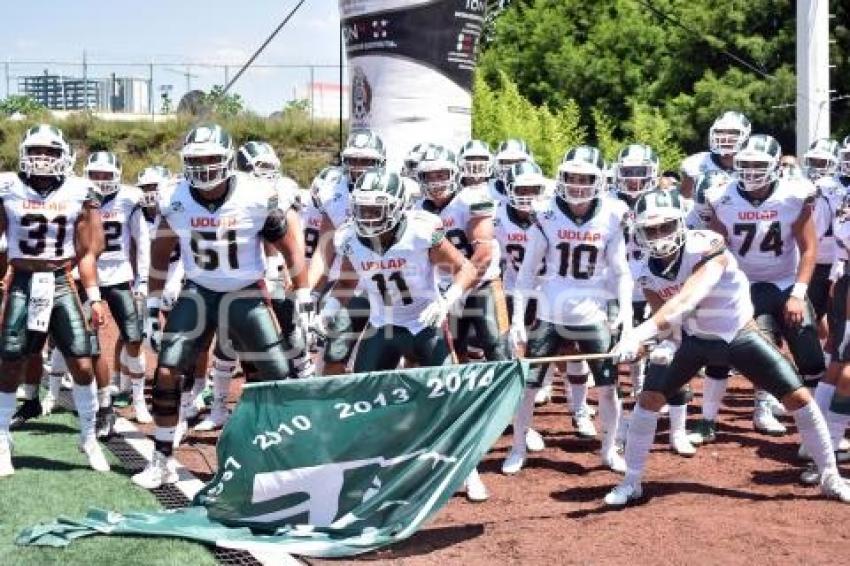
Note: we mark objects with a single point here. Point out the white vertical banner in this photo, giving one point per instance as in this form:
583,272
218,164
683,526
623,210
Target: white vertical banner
411,66
812,73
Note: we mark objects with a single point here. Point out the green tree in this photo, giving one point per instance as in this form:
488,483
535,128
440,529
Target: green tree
229,104
21,104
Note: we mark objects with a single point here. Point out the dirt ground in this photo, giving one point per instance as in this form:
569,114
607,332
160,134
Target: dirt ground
737,501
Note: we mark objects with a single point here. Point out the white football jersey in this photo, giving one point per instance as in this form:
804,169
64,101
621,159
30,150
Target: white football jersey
701,213
467,204
401,281
498,192
700,163
221,247
333,198
43,227
830,193
759,234
634,253
311,221
122,219
580,256
512,233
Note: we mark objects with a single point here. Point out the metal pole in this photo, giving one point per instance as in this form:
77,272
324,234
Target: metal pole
150,90
341,88
6,69
226,74
812,72
85,81
312,96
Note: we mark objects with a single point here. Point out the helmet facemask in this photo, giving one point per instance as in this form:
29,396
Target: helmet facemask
634,180
579,185
661,236
267,170
819,166
476,167
755,172
844,161
437,182
107,182
44,161
205,172
726,141
375,213
522,197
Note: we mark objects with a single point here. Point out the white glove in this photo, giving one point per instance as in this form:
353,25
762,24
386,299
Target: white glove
169,296
627,348
624,319
140,290
518,336
330,309
304,366
663,353
435,313
153,329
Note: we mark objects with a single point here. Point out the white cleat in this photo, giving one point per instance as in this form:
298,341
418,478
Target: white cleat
141,413
833,486
214,421
159,471
623,494
48,404
765,422
680,444
534,441
180,432
584,425
776,407
543,395
94,453
514,462
476,491
810,476
612,460
6,468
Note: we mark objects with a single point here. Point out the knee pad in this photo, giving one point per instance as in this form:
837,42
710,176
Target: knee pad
136,364
578,368
166,397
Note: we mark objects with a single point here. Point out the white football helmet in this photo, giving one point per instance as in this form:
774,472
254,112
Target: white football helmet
438,173
525,185
581,175
364,150
757,163
260,159
509,153
149,180
44,152
378,202
660,222
844,157
103,169
207,156
821,159
475,160
636,170
728,133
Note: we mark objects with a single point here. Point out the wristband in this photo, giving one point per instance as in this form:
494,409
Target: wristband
93,294
799,289
453,293
645,331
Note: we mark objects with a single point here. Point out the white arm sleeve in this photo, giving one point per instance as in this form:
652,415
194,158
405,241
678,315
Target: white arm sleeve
140,232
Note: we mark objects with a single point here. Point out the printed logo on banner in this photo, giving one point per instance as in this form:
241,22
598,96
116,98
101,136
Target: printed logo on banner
361,97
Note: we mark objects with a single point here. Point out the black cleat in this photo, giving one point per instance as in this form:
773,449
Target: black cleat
29,409
704,432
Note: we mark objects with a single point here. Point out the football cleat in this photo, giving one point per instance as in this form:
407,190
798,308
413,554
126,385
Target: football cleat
583,424
810,476
29,409
6,468
613,460
534,441
476,491
514,462
543,395
94,453
681,445
833,486
180,432
764,421
141,413
623,494
48,404
104,422
703,433
215,420
160,470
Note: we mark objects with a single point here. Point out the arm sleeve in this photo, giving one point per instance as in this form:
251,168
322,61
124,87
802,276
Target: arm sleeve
141,235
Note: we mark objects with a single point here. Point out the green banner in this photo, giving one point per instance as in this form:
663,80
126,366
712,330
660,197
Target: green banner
333,466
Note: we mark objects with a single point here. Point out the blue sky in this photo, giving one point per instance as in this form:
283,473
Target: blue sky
176,31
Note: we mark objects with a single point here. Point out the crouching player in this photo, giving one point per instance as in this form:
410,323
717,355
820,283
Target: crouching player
695,286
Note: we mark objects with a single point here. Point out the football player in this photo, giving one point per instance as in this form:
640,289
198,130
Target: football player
636,172
580,236
696,289
220,219
725,138
767,221
120,287
467,216
509,153
51,220
364,150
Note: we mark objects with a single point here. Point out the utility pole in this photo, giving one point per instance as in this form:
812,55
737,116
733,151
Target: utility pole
85,81
6,69
150,90
813,106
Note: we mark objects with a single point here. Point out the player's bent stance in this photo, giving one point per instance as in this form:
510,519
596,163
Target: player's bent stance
696,283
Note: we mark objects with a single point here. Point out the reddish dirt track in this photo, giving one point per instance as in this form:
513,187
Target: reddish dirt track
737,501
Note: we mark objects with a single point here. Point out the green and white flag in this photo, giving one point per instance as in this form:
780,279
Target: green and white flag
333,466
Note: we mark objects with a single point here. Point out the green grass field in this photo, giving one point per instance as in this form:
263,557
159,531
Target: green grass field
52,478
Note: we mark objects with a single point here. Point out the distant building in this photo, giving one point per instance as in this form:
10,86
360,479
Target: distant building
114,94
